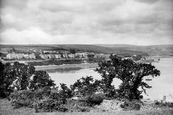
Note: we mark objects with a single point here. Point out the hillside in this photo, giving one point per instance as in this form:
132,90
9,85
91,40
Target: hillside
123,49
153,50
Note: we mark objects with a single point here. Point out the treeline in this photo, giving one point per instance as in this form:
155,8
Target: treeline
56,62
36,89
66,61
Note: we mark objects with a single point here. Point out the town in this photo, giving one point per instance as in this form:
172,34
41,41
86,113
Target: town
34,55
46,55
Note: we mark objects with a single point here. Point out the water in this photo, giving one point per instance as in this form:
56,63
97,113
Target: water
161,85
69,77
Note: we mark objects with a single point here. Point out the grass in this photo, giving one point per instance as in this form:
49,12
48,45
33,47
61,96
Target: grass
7,109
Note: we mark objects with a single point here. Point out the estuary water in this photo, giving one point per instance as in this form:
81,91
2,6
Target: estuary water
161,85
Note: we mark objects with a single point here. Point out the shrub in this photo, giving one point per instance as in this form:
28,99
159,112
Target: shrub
27,98
22,98
42,92
95,99
131,105
49,105
42,99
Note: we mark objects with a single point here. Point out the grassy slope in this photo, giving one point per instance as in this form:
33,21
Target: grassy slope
7,109
151,49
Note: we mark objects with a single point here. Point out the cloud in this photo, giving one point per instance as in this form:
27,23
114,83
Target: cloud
32,35
20,4
87,21
147,1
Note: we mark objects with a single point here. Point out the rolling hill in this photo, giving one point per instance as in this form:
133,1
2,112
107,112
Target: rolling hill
121,49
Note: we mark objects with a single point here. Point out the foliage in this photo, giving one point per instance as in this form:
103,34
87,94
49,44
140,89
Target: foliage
2,84
95,99
84,86
41,96
9,73
73,51
129,72
27,98
40,80
23,98
18,71
49,105
56,62
43,99
41,93
65,93
131,105
18,75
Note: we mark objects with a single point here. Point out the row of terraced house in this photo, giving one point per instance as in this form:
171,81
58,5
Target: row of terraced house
79,55
63,55
20,56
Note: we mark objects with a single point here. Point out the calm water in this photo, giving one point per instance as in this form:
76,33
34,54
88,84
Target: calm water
161,85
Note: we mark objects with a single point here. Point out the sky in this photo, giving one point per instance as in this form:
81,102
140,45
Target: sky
136,22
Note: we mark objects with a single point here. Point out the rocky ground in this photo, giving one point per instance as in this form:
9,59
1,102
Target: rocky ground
108,107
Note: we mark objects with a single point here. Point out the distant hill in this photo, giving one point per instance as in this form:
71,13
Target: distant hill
121,49
153,50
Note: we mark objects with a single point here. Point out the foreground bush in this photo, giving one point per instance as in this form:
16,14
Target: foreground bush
27,98
95,99
131,105
43,99
49,105
22,98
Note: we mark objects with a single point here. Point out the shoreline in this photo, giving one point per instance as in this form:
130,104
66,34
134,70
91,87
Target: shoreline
67,66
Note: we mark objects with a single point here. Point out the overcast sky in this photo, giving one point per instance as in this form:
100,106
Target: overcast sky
137,22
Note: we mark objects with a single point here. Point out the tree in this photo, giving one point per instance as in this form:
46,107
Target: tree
130,73
2,85
17,72
18,75
73,51
85,86
64,93
41,79
23,73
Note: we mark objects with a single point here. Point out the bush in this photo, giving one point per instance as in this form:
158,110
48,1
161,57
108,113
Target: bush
42,92
42,99
95,99
131,105
22,98
49,105
27,98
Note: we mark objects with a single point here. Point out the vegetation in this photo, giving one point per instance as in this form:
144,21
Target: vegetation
84,48
35,89
94,99
19,76
130,73
40,80
2,83
56,62
84,86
